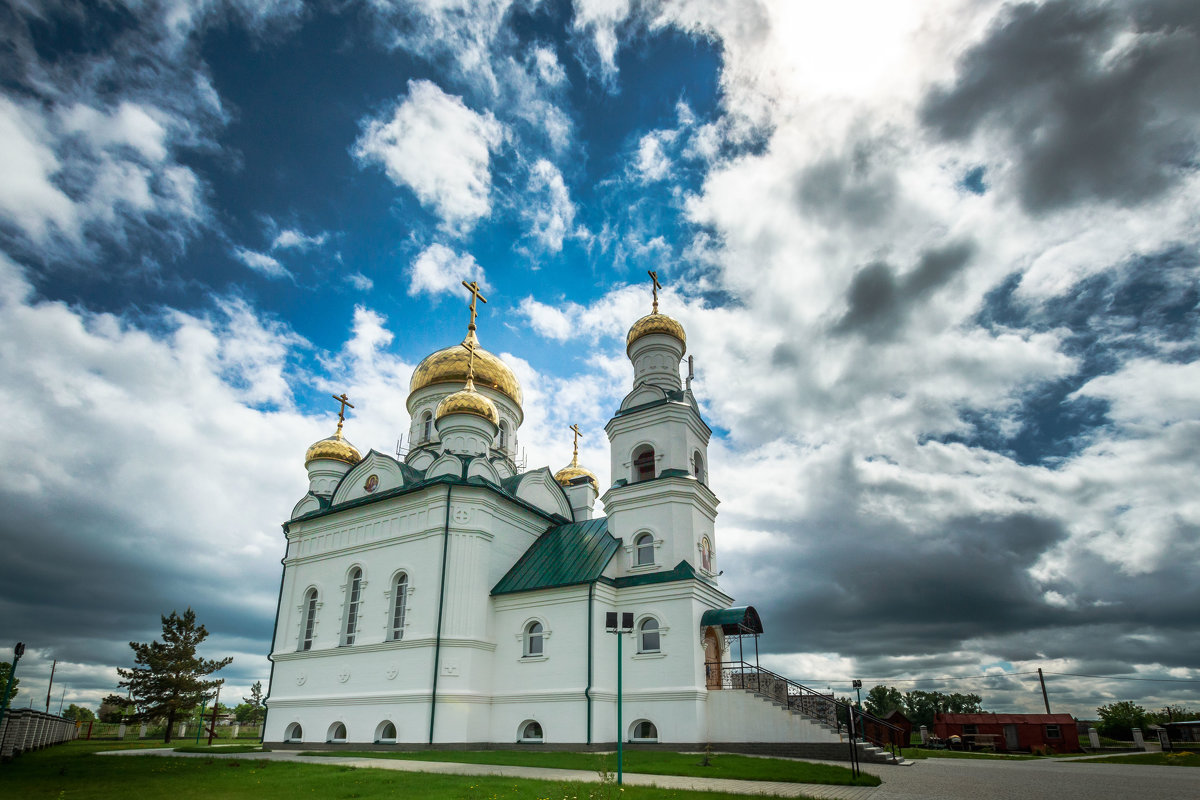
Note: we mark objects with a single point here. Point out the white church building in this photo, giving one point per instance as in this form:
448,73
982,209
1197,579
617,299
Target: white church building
449,599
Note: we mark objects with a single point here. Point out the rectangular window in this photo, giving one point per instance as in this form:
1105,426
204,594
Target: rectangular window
970,730
1052,732
310,623
398,616
352,607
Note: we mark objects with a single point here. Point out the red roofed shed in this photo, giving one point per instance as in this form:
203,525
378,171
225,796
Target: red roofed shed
1011,732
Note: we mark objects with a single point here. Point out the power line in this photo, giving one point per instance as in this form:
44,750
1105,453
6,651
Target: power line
920,680
1123,678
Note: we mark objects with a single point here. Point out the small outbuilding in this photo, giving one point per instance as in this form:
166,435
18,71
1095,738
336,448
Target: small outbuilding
1188,731
1008,733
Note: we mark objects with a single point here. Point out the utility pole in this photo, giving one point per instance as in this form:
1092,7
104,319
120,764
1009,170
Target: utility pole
1045,697
53,667
610,625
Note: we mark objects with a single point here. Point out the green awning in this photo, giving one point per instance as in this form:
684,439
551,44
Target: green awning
741,619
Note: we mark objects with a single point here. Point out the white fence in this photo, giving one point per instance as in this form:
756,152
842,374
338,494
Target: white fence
24,729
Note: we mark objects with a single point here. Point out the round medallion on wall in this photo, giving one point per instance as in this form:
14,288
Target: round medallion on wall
343,676
372,483
392,672
300,679
462,516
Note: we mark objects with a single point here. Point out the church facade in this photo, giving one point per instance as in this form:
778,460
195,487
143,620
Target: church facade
449,599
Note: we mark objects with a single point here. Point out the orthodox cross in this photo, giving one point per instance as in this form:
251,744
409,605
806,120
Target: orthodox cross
473,287
575,458
654,288
345,401
470,345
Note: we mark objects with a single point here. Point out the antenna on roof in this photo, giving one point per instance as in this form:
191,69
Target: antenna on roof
522,462
401,450
691,372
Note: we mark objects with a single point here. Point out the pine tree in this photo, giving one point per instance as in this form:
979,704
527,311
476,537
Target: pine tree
168,676
255,701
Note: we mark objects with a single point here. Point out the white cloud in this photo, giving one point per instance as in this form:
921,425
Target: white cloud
440,149
439,270
360,281
293,239
28,195
548,210
652,161
261,263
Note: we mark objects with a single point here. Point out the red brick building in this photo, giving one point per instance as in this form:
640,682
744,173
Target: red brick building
1008,733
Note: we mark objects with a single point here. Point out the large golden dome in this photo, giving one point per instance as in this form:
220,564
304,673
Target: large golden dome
572,473
335,448
450,366
468,401
655,323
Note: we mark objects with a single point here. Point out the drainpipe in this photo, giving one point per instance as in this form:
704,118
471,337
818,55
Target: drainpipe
587,692
437,644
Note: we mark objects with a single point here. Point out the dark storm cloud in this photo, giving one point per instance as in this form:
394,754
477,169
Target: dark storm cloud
1092,117
879,300
857,189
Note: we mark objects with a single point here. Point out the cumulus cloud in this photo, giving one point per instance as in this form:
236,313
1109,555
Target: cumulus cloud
440,149
439,270
550,213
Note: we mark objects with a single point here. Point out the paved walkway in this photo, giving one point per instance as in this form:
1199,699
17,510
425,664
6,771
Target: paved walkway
928,779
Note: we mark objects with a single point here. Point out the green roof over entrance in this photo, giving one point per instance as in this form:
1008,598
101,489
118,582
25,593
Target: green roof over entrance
741,619
565,555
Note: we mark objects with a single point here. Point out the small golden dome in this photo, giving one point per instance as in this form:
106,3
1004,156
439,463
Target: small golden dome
450,366
468,401
571,474
335,448
655,323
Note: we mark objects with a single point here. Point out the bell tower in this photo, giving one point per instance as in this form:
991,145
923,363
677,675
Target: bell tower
659,504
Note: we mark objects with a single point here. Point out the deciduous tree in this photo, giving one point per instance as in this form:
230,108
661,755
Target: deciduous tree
79,713
882,700
5,671
1117,720
168,677
255,701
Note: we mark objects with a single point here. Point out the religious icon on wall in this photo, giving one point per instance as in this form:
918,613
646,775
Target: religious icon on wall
372,483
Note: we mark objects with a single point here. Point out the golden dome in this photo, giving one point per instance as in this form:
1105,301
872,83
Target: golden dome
468,401
450,366
335,448
570,474
655,323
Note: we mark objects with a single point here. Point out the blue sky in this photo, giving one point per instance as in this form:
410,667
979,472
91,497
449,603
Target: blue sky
937,263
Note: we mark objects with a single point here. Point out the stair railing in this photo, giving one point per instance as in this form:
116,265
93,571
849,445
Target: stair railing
824,708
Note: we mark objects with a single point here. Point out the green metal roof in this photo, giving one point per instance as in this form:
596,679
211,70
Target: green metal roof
683,572
741,619
565,555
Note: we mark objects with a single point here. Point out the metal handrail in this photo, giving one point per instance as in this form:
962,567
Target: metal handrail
803,700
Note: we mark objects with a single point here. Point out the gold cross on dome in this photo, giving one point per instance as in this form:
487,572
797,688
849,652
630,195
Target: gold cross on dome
470,346
473,287
655,286
575,457
345,401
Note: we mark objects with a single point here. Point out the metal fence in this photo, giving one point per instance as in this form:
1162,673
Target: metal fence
183,732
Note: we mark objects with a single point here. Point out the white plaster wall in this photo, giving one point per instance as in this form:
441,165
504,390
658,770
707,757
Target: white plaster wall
739,716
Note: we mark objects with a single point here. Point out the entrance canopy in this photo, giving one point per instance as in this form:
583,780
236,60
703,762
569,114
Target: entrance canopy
733,621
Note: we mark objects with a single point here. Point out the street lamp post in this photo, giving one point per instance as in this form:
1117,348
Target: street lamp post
18,651
610,625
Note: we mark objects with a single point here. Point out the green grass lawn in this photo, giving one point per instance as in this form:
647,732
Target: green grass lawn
1179,758
647,762
73,772
915,753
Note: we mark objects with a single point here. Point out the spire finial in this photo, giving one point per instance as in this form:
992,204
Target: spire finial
470,345
655,286
345,401
473,288
575,455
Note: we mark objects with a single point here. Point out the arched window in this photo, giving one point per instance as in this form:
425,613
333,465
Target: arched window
531,731
643,463
648,636
385,733
337,732
399,606
705,554
698,466
353,599
426,426
534,640
309,624
294,733
644,549
644,731
504,436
